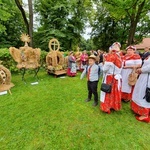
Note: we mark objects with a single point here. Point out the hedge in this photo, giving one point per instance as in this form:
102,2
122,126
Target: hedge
9,63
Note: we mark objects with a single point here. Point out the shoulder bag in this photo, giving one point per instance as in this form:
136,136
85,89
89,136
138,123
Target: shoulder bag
132,78
147,92
107,87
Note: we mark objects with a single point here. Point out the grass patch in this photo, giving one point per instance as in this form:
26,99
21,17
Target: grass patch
53,115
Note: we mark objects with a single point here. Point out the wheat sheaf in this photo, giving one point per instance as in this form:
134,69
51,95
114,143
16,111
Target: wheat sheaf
25,38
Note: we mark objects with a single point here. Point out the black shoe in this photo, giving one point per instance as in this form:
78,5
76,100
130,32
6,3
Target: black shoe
87,100
95,104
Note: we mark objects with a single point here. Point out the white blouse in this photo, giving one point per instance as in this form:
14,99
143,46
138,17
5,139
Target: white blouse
125,73
140,87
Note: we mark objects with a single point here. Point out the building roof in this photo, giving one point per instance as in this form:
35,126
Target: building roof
143,44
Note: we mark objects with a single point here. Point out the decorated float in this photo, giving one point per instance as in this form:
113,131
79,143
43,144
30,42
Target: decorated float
56,63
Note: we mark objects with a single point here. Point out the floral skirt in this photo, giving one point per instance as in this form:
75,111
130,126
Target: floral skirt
127,96
69,73
140,110
113,99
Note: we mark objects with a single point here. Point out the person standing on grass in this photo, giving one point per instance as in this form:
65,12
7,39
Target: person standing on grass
72,70
93,73
131,61
139,104
83,60
112,75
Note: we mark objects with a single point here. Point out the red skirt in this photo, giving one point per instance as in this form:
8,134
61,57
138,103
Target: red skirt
113,99
69,73
81,66
127,96
140,110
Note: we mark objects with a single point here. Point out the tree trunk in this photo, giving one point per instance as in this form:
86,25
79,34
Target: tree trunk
134,20
30,22
23,14
132,32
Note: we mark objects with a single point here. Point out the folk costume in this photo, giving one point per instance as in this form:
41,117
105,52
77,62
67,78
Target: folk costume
112,75
128,61
83,61
93,74
139,104
72,70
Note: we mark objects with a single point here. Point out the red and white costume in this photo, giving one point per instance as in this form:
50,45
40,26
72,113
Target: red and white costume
83,61
127,90
112,100
139,104
71,71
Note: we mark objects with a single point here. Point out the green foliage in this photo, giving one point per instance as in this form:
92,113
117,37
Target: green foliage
53,116
135,11
118,20
87,44
13,26
62,20
43,58
4,15
7,60
66,20
107,30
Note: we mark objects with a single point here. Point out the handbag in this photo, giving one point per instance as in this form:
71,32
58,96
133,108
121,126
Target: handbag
147,92
132,78
105,87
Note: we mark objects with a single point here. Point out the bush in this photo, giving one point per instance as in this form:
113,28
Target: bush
9,63
7,60
43,59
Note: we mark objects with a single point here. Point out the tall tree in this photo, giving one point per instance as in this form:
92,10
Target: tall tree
52,21
64,19
13,25
106,30
30,21
19,5
133,9
29,24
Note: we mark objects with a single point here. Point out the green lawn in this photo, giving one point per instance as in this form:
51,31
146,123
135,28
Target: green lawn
53,116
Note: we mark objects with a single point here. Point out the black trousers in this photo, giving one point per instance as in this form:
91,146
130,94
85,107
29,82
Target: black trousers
92,89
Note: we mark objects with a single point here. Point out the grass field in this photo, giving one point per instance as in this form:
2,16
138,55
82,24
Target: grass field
53,116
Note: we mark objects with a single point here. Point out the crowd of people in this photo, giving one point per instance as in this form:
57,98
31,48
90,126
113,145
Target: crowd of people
126,73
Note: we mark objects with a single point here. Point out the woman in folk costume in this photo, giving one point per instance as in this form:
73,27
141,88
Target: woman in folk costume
71,71
112,75
120,52
139,104
83,60
131,61
117,44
